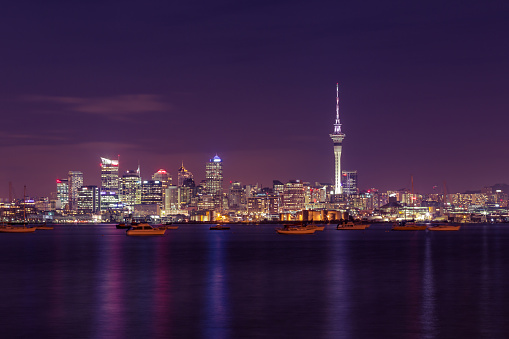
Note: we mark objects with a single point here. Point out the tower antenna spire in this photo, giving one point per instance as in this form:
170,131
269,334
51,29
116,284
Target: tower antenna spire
337,124
337,137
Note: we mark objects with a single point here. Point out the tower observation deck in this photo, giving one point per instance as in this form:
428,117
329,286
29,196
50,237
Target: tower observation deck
337,137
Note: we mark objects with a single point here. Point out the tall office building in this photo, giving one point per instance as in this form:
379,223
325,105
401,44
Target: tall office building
182,175
152,192
130,190
163,176
63,192
349,182
109,185
88,199
75,181
337,137
214,180
293,196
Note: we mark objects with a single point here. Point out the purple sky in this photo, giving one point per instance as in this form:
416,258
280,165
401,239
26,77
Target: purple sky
423,90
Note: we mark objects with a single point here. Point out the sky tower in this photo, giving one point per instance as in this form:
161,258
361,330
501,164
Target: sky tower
337,137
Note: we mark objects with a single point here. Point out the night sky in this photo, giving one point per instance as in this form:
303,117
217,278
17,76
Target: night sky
423,90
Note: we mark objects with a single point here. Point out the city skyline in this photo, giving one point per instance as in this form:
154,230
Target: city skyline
421,91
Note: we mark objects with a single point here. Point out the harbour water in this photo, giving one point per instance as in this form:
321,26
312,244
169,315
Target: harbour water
92,281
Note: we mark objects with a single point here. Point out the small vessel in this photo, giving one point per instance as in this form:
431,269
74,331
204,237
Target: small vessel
16,229
123,225
220,227
444,227
408,226
144,229
350,225
315,227
293,229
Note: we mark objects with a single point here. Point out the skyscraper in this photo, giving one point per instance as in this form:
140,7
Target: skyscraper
109,185
349,182
63,192
183,174
337,137
75,181
130,189
214,180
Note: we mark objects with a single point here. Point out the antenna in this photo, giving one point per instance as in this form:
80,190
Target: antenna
337,124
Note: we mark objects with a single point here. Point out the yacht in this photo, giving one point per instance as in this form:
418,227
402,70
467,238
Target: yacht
16,229
143,229
292,229
444,227
220,227
408,226
350,225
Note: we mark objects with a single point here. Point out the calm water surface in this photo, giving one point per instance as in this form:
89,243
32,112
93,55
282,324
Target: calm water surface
95,282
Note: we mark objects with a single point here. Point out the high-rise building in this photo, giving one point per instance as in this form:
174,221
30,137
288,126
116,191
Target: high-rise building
337,137
75,181
88,199
109,185
214,180
236,195
349,182
130,189
293,196
165,178
63,192
152,192
183,174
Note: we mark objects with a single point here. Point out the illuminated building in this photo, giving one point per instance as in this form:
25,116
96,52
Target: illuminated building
182,175
152,192
337,137
236,196
165,178
109,199
88,199
75,181
171,198
130,189
293,196
349,182
214,180
63,192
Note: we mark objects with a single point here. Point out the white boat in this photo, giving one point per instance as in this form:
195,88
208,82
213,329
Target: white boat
144,229
350,225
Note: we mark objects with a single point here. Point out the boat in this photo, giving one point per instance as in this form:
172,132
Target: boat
144,229
315,227
350,225
220,227
16,229
123,225
293,229
166,227
408,226
444,227
44,227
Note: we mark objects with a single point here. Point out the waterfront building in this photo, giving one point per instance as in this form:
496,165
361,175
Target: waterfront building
75,181
214,180
337,137
130,190
109,193
349,182
88,199
293,196
183,174
63,192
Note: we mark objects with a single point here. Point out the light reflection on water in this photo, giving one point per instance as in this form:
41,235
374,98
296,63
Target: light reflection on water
249,282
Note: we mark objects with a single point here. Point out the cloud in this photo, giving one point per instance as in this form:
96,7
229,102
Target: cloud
114,105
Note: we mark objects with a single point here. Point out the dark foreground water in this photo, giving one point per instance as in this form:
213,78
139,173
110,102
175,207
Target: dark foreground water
249,282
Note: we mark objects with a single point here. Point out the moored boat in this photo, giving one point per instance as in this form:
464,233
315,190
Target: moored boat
408,226
144,229
16,229
292,229
350,225
444,227
220,227
315,227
